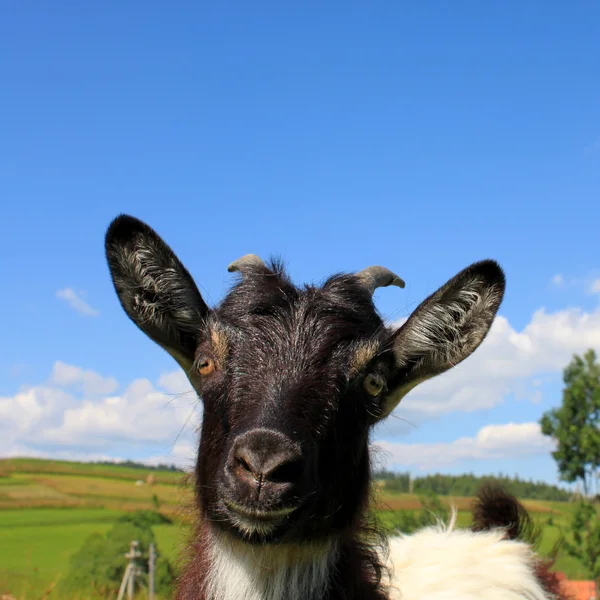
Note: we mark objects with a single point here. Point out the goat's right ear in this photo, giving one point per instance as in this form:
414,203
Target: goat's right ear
445,328
154,288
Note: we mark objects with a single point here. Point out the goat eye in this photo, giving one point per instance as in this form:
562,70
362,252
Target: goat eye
205,366
373,384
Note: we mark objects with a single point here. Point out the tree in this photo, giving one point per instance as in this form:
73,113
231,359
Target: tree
585,531
575,425
576,428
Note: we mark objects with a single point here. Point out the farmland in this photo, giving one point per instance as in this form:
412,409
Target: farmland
49,508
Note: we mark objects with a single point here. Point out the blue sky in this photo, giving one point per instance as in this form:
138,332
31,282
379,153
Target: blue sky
339,135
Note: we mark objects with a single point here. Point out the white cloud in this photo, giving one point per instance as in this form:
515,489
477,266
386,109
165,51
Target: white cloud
510,440
175,382
182,454
140,414
76,412
76,302
503,364
588,284
594,286
64,375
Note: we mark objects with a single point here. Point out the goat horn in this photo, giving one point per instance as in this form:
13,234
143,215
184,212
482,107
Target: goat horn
248,260
375,277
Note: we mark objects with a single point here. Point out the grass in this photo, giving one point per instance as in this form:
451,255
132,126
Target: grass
42,517
35,549
108,489
49,508
53,486
38,465
169,538
32,557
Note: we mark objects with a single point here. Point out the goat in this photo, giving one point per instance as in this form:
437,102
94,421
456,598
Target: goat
292,382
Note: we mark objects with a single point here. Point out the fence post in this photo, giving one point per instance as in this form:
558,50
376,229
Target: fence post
130,572
151,563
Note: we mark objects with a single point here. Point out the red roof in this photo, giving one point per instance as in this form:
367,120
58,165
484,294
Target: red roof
577,590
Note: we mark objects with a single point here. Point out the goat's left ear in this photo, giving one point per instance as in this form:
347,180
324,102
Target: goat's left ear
154,288
446,328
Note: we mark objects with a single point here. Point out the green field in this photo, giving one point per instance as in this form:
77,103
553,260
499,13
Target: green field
49,508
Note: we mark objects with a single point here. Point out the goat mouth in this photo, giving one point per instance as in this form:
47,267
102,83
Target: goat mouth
255,524
257,514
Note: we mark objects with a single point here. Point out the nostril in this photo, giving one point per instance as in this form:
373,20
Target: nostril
244,466
287,472
242,462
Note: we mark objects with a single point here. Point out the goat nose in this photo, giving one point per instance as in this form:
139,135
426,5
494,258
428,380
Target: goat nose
263,457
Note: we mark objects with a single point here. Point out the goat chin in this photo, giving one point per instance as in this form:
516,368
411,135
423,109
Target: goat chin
435,563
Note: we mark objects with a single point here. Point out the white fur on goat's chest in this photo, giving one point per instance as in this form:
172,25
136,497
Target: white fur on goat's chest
240,572
438,564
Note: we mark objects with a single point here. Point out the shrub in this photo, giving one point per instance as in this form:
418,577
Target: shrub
432,511
145,518
99,565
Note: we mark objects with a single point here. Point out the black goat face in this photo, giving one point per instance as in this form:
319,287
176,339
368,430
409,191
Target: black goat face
296,379
292,379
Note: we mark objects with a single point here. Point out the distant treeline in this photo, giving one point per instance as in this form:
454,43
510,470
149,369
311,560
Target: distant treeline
468,484
136,465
